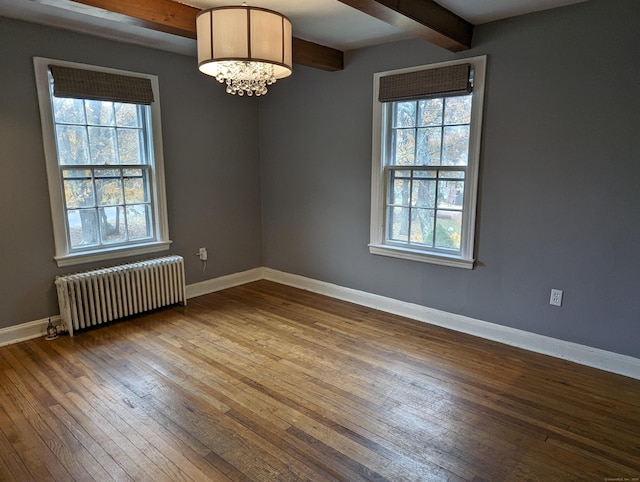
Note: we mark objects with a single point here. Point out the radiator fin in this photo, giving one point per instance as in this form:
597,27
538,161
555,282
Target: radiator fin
102,295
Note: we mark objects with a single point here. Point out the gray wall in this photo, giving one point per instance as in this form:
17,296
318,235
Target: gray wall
559,202
211,163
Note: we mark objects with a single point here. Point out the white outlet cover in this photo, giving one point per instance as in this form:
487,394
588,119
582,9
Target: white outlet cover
556,297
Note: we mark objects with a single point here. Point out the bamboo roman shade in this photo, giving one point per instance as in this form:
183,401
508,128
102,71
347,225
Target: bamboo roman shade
94,85
422,84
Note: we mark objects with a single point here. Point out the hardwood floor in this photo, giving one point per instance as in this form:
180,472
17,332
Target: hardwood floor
268,383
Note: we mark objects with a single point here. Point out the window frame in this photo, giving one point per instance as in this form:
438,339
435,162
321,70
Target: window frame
160,241
382,118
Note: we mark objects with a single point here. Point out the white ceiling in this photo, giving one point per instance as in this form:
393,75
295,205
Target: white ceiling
327,22
484,11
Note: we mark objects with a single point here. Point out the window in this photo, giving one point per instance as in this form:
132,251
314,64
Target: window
426,144
103,151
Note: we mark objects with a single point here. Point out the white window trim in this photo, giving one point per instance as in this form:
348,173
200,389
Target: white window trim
377,243
157,179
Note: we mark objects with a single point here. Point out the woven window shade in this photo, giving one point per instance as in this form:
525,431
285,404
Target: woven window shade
423,84
90,84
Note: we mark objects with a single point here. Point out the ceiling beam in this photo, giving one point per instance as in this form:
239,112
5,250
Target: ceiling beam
424,19
179,19
318,56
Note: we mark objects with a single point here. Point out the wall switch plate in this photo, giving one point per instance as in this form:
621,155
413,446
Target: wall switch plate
556,298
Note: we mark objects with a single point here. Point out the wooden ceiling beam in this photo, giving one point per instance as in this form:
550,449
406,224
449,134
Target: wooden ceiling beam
179,19
424,19
317,56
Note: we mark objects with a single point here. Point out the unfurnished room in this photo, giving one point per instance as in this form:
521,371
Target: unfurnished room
319,240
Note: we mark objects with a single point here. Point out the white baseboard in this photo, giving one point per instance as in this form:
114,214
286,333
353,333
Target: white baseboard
584,355
224,282
26,331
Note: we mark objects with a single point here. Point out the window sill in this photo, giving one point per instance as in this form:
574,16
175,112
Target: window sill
111,253
416,255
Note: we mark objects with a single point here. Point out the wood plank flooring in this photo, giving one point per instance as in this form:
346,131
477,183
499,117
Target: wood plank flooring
264,382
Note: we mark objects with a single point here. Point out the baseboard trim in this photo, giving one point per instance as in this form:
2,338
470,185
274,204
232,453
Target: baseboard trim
26,331
584,355
224,282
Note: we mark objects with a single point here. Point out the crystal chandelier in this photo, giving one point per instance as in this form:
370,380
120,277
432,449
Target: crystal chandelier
246,48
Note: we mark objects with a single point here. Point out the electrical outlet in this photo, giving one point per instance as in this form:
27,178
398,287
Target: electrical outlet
556,298
202,254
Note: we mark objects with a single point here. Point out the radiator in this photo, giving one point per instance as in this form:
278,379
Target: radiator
102,295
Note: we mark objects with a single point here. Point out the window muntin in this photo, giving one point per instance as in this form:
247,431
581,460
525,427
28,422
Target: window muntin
105,170
425,165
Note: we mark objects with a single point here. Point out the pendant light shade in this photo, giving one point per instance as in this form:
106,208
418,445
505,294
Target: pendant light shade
247,48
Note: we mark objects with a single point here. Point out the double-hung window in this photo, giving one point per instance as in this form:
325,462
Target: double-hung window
103,149
426,146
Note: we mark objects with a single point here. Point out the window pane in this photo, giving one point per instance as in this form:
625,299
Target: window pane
404,146
103,145
69,173
135,190
458,110
109,192
139,221
430,112
398,224
133,172
422,226
78,193
126,115
404,114
83,227
450,194
400,186
429,146
106,172
72,144
99,112
455,151
424,193
451,175
129,145
68,111
112,224
448,229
